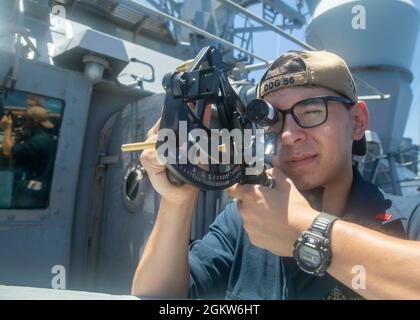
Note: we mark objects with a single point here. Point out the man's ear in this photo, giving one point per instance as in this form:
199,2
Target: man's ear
360,118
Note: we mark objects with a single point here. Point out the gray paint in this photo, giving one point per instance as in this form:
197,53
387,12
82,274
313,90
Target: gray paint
388,117
28,293
35,240
90,42
102,107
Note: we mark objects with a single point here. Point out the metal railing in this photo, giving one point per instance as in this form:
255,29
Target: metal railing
388,170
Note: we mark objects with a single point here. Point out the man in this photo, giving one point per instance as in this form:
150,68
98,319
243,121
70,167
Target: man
33,152
252,249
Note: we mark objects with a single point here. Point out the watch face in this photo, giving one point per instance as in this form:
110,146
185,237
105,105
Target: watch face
309,257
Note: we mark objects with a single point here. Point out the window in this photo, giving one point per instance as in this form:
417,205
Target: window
29,129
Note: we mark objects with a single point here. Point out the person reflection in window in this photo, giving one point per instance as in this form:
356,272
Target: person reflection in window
33,151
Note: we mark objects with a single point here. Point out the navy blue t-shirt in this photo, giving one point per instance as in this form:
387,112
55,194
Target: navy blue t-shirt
225,265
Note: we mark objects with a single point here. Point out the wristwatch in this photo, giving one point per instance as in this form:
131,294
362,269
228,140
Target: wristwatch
312,249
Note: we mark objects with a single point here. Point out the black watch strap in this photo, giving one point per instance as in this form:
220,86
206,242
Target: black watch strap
323,223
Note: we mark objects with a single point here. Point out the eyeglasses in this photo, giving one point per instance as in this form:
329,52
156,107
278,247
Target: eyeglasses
308,113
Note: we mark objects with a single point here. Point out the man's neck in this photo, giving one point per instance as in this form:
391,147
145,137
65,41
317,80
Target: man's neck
334,198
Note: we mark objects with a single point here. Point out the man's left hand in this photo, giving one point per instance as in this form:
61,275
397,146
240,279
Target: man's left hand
273,218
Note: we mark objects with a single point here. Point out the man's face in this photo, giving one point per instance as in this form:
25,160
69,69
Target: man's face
313,157
31,102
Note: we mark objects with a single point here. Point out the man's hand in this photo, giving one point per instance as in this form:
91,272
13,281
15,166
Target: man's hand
6,122
273,218
179,195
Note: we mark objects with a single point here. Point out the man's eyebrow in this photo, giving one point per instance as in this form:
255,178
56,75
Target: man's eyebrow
275,105
285,107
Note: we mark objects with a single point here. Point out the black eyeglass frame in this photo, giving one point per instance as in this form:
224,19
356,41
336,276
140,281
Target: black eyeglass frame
345,101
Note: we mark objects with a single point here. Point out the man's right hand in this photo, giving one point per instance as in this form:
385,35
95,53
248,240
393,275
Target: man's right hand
177,195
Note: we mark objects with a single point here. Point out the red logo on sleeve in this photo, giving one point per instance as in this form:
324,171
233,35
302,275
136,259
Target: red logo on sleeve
383,216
